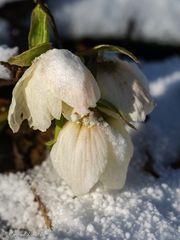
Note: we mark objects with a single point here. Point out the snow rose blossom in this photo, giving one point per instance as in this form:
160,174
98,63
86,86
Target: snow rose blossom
125,86
93,145
91,149
55,77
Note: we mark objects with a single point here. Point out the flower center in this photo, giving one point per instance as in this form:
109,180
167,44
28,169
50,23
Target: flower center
90,119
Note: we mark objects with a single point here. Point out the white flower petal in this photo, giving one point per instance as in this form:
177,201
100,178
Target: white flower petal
125,86
80,156
41,101
114,176
69,113
56,76
70,79
33,101
18,110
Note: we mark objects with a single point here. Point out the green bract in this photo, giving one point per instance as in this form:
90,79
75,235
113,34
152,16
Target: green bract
108,48
109,109
39,30
25,59
59,125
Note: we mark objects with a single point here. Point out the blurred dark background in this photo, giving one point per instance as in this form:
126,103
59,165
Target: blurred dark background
83,24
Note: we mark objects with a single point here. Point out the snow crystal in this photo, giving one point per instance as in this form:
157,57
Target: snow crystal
17,203
147,210
117,140
100,18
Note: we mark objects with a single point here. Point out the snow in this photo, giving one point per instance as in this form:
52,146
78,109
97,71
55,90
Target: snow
164,140
4,31
3,2
147,208
155,20
4,24
5,54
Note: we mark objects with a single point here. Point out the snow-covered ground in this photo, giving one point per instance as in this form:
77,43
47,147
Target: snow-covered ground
147,208
155,20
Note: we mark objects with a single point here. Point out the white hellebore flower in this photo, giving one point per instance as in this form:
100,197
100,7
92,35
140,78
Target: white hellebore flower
90,150
56,76
125,86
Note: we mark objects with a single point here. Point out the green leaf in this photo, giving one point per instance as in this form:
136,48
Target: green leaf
59,125
52,22
109,48
109,109
39,29
25,59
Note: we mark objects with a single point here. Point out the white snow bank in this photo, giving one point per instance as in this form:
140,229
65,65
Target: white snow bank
4,31
155,20
147,208
17,203
3,2
5,54
162,131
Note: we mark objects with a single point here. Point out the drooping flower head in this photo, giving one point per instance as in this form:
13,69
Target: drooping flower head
125,86
89,150
96,148
56,76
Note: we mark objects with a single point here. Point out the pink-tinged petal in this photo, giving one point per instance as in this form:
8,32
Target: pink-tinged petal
70,79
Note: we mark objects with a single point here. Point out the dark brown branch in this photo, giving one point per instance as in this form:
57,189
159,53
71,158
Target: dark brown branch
42,209
16,71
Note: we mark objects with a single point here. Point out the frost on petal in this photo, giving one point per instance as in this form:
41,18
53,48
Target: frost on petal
80,156
70,79
120,151
125,86
56,76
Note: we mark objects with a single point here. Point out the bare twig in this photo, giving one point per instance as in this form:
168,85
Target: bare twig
18,159
16,71
42,209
